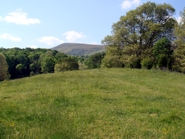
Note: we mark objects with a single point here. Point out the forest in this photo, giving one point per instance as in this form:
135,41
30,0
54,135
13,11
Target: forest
147,37
28,62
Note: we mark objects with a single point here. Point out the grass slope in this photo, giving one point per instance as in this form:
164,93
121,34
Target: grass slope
77,49
101,103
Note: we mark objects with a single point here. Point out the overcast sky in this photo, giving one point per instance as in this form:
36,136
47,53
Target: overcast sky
48,23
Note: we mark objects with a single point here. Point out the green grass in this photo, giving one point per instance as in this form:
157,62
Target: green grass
100,103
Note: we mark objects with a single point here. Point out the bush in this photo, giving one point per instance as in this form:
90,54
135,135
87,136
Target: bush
69,63
132,61
32,73
112,62
95,60
147,63
162,62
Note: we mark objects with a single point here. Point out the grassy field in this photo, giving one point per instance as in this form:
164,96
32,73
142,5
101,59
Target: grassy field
101,103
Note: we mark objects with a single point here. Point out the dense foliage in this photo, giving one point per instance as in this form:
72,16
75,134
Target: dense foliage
147,37
179,52
68,63
26,62
94,61
3,67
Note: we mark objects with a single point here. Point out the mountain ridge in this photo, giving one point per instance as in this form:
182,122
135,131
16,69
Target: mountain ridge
78,49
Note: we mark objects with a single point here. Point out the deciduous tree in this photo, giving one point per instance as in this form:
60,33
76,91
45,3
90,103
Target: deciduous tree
141,27
179,53
3,67
47,65
95,60
68,63
162,53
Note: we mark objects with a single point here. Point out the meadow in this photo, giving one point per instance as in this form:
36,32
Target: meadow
99,103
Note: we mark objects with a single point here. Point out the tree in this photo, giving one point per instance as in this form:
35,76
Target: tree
47,65
113,57
69,63
60,55
20,69
131,57
11,60
94,61
3,67
180,30
162,53
179,53
26,62
22,65
141,27
35,66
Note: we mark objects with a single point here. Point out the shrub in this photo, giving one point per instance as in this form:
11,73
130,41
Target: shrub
162,62
69,63
112,61
147,63
32,73
132,61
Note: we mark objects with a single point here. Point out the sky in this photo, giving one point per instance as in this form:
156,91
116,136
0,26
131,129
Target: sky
48,23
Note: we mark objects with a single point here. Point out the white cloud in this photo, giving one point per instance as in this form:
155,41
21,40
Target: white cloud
18,17
7,36
33,47
50,40
179,19
126,4
94,43
72,36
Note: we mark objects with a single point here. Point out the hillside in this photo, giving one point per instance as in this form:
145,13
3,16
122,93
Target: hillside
100,103
76,49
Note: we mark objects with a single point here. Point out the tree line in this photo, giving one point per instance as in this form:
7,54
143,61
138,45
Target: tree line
17,63
147,37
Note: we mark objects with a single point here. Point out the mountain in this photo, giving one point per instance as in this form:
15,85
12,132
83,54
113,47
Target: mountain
79,48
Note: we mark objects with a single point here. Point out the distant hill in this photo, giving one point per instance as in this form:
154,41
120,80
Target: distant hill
79,48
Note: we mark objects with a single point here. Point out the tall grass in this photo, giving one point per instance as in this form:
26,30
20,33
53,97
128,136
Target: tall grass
101,103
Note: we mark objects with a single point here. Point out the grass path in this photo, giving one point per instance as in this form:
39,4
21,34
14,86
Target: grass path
100,103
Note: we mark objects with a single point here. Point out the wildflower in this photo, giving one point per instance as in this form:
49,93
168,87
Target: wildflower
12,124
165,131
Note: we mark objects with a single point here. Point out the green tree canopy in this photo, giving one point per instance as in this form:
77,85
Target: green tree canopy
141,28
179,52
113,57
68,63
3,67
94,61
47,65
180,30
162,53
